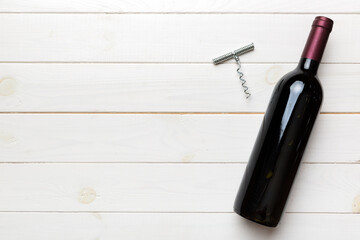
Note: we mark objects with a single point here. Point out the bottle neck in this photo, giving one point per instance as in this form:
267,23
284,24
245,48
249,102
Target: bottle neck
308,65
316,42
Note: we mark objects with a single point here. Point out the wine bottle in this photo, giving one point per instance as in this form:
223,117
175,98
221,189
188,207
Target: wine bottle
284,133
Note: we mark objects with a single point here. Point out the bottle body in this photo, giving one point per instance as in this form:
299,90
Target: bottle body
284,133
279,147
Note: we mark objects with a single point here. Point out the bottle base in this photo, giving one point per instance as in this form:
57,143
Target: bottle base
256,220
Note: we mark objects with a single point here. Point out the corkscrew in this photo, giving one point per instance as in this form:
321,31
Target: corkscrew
235,55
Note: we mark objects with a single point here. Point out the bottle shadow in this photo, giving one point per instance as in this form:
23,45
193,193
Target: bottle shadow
257,231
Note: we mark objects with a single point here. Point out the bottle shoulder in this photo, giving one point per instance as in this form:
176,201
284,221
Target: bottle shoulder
308,80
305,85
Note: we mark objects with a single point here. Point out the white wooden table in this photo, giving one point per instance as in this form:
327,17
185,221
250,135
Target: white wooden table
114,123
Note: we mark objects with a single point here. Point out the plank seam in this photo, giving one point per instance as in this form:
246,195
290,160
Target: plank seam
160,63
165,212
183,13
173,163
168,113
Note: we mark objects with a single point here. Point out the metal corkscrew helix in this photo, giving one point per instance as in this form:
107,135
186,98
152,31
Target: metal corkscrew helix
235,55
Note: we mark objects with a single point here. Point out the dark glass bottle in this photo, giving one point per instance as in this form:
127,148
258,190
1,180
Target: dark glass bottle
283,135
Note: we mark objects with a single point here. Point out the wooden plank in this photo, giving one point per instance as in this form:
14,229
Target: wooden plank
161,138
190,226
168,37
322,188
161,87
198,6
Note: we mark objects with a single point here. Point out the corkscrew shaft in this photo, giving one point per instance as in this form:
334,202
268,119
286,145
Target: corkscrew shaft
241,77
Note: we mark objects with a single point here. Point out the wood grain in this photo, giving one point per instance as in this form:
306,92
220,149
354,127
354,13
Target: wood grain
112,172
168,37
161,87
198,6
174,138
190,226
320,188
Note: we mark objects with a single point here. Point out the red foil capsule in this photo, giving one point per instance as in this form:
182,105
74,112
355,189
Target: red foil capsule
317,39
